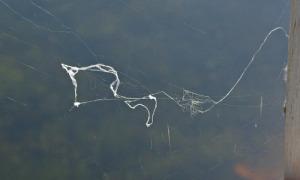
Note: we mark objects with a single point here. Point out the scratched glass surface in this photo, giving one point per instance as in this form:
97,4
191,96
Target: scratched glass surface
151,89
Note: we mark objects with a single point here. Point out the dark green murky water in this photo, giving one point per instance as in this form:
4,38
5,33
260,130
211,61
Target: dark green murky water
168,45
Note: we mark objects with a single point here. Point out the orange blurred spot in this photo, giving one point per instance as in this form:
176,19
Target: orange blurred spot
248,173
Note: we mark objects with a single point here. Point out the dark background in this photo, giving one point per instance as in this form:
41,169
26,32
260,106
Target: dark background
168,45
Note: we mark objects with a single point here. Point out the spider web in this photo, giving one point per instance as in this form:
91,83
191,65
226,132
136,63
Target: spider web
193,102
244,120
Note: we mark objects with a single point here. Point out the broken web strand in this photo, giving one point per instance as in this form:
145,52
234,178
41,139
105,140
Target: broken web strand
150,116
198,103
114,86
72,71
190,101
252,60
66,30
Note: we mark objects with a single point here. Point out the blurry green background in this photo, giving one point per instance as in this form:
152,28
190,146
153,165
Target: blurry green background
168,45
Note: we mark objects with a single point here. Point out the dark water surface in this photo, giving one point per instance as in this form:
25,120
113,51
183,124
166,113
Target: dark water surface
155,45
